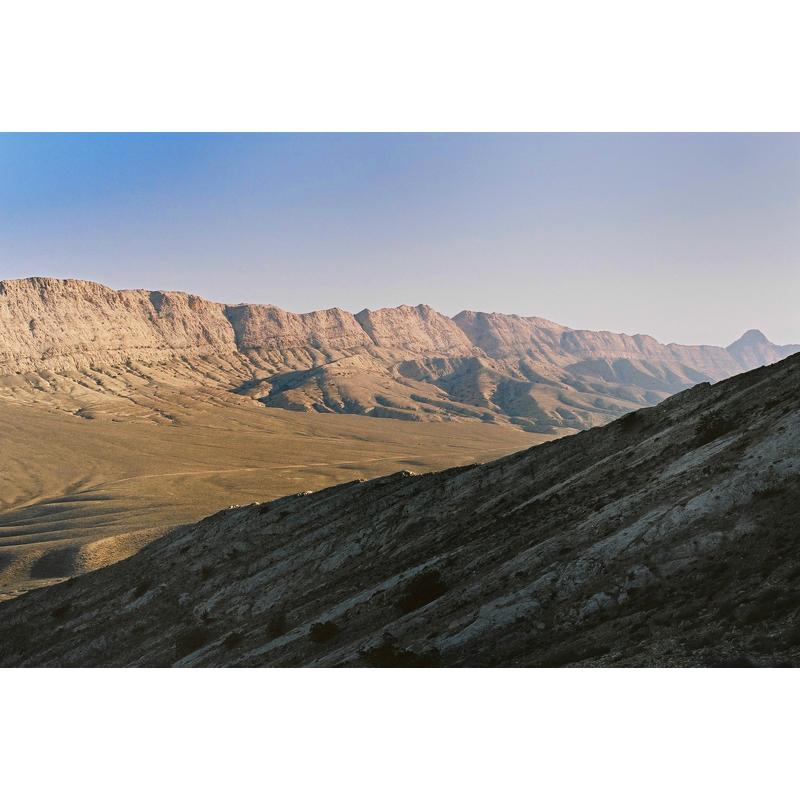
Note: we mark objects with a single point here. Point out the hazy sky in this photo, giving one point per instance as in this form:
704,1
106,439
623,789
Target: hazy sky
690,238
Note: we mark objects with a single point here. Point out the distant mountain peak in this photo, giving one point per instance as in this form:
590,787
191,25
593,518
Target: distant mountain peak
752,337
755,350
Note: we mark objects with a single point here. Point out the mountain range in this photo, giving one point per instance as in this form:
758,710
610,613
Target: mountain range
77,346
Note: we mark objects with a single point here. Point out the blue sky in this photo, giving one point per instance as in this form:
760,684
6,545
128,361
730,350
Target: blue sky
690,238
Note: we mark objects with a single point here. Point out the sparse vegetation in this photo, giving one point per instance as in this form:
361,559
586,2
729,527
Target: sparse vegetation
421,590
61,611
322,631
276,625
573,655
738,662
711,427
693,561
189,641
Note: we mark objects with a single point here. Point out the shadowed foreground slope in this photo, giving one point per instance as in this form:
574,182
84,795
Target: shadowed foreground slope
669,537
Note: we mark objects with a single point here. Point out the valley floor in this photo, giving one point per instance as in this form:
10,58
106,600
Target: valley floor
83,488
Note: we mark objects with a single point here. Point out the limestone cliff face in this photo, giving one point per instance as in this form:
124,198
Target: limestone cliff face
62,324
508,335
259,327
417,329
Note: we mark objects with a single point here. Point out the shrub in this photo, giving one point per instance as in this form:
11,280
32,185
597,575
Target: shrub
792,638
276,625
389,654
421,590
61,611
141,589
232,639
711,427
629,420
322,631
189,641
206,572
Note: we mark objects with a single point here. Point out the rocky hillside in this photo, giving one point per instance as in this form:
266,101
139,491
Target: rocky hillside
668,537
404,363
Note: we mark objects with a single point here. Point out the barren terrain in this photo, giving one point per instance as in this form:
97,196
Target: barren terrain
78,493
126,413
666,538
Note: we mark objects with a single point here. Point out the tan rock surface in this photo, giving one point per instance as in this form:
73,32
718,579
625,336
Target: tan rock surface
258,327
416,329
56,324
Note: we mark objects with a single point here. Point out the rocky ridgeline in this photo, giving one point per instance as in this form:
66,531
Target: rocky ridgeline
509,336
269,328
666,538
58,325
406,362
419,330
